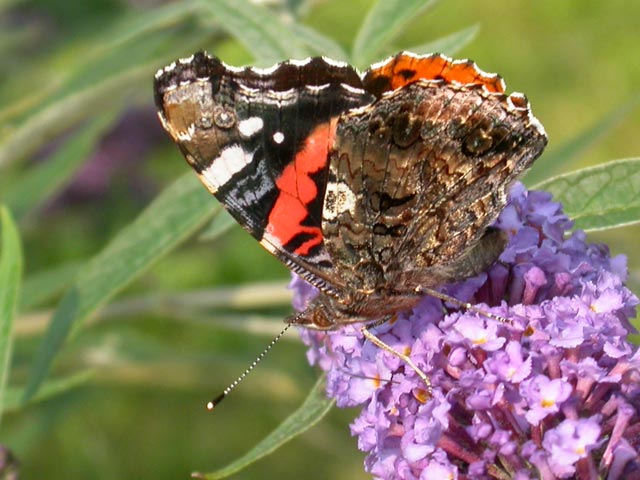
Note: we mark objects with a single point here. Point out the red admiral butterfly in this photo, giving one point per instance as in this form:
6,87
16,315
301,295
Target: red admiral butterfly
373,187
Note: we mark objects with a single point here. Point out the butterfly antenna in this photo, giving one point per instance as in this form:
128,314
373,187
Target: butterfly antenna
213,403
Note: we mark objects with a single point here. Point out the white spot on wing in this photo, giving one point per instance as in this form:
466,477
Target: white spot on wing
278,137
267,70
250,126
186,136
166,69
339,198
231,160
301,62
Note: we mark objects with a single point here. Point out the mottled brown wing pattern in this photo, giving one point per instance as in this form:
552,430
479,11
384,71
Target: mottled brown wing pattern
434,162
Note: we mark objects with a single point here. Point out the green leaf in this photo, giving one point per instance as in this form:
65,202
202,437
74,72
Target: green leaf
77,66
174,215
319,43
45,179
140,23
42,286
221,224
260,30
259,295
600,197
49,389
10,278
450,44
384,21
5,4
314,408
564,156
42,126
84,82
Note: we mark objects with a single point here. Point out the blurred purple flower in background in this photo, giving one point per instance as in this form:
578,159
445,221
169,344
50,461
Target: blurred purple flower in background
120,156
9,464
554,395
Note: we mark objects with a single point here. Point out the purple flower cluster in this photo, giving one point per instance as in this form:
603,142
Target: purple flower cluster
555,394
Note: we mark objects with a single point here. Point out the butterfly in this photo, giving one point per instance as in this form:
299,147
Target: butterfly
374,187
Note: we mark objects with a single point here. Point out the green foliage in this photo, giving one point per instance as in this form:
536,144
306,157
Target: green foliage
172,217
601,197
314,408
382,23
121,259
565,156
260,31
10,280
43,181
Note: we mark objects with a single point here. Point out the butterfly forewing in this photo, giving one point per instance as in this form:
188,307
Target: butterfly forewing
259,140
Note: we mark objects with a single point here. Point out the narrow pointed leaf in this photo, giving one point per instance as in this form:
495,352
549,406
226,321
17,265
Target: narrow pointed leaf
600,197
384,21
566,154
221,224
314,408
259,295
84,86
139,23
42,126
449,45
42,286
51,388
174,215
10,278
318,43
45,179
260,30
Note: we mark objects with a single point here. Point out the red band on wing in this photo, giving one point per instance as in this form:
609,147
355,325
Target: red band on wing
298,190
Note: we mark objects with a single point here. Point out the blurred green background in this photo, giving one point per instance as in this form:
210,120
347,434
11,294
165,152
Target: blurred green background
77,75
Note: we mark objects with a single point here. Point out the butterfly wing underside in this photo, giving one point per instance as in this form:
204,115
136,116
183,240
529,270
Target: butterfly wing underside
435,154
259,141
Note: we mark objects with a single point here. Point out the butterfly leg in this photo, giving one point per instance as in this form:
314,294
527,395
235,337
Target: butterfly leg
366,331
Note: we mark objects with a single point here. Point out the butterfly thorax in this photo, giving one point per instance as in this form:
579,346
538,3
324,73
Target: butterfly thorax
327,312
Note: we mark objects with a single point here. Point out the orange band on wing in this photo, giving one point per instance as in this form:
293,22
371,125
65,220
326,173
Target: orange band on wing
404,69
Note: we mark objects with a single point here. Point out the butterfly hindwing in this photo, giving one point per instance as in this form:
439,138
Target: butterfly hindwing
434,158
